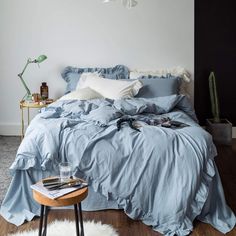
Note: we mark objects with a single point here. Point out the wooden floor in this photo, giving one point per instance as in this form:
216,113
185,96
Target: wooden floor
226,162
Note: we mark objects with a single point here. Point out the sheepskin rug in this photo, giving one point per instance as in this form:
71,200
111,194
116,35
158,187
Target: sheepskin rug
63,228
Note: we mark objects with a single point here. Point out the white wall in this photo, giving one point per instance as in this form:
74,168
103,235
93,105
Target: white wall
155,34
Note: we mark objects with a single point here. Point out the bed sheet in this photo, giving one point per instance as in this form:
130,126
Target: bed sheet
164,177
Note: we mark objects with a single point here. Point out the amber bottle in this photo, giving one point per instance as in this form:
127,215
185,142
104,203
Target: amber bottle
44,91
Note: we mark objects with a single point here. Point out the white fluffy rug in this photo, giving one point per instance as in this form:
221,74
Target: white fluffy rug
62,228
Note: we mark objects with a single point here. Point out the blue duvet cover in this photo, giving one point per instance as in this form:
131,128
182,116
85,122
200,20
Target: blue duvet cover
165,177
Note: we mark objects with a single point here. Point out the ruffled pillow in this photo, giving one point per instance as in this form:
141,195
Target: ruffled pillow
72,74
113,89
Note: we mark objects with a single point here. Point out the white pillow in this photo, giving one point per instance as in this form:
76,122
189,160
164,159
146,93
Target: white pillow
108,88
175,71
82,94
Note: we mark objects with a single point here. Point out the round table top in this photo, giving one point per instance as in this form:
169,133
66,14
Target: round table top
69,199
35,104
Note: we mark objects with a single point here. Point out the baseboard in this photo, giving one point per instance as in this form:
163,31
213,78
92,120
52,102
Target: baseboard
15,130
10,129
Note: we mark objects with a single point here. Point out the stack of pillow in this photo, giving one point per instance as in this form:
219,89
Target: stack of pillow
114,83
92,85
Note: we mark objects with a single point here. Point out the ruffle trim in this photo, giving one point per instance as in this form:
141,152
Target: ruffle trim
118,71
22,163
184,228
175,71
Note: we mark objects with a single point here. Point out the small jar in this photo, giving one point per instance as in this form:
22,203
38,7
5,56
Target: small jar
44,91
36,97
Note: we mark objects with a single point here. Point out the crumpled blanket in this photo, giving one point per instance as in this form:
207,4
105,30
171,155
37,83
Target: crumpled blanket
164,177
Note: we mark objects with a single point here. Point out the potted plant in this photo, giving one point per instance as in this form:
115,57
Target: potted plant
220,129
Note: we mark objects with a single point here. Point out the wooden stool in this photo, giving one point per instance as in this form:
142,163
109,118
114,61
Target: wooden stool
73,198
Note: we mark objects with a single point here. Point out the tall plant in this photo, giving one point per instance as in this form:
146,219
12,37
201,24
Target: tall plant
214,98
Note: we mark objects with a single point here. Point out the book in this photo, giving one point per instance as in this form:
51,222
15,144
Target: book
57,192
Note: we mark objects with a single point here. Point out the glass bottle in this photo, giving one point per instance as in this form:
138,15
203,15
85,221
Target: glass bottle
44,91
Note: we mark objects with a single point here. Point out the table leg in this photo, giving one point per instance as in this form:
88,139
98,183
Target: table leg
45,221
81,220
41,220
22,124
76,220
28,117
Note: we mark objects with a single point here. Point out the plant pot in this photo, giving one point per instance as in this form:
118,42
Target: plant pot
221,132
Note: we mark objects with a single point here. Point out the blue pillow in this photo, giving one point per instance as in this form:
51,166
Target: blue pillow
154,86
72,74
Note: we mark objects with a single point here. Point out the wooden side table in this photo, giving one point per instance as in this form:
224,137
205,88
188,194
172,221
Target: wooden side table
75,198
28,106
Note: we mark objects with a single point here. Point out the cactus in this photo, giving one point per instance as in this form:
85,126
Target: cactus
214,98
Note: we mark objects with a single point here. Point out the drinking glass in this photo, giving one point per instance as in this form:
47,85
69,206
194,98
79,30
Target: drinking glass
65,170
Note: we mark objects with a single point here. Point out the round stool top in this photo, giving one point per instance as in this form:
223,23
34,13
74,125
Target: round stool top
66,200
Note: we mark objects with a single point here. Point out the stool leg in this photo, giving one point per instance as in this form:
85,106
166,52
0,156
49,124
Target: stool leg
41,220
76,220
81,220
45,221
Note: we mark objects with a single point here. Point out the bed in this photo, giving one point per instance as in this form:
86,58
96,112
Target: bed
165,177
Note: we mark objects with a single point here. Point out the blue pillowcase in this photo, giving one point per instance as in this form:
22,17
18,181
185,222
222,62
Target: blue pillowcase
154,86
72,74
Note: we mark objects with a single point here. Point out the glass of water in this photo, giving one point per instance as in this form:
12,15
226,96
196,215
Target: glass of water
65,170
